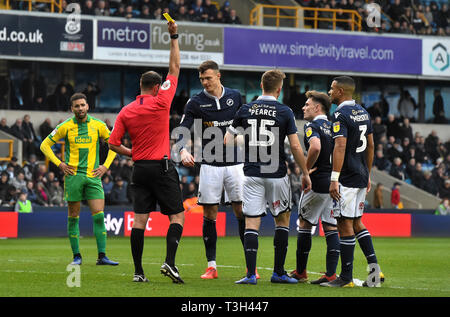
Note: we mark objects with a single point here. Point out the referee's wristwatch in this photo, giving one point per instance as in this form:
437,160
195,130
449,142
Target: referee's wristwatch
174,36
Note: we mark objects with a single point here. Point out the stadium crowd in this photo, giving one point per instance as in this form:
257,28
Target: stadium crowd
422,17
180,10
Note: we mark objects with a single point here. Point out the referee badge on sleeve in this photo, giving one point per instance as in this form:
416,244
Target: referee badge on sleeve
165,85
336,126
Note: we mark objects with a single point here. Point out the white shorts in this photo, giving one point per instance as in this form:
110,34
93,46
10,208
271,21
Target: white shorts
261,192
214,179
351,204
314,205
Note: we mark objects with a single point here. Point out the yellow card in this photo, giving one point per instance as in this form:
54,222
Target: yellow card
168,17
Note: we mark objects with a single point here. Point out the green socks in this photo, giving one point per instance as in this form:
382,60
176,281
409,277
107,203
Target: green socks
73,230
100,231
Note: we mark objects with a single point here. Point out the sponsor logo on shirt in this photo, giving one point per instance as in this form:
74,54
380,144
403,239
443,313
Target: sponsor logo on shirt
83,140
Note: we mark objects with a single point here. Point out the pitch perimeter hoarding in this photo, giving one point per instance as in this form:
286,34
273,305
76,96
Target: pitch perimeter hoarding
335,52
136,42
43,36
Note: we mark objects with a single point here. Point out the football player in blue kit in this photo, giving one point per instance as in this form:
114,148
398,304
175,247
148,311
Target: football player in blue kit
350,180
216,107
317,203
265,124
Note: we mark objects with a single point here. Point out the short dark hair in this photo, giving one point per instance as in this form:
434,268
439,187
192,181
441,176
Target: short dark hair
272,79
150,79
321,98
208,65
345,81
77,96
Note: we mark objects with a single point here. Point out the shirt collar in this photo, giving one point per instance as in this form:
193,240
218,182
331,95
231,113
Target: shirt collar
346,103
320,116
269,98
211,96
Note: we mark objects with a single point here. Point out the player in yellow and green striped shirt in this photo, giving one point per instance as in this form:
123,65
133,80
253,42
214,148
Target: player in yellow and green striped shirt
83,172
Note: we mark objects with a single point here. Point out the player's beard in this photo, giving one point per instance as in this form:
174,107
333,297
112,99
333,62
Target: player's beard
81,116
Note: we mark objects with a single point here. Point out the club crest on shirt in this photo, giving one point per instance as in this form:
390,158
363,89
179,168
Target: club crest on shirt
308,132
336,126
230,102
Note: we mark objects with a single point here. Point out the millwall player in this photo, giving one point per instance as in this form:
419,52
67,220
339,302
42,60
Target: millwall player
267,122
350,180
317,203
215,106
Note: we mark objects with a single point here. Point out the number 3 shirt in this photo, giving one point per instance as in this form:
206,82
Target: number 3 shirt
352,121
265,123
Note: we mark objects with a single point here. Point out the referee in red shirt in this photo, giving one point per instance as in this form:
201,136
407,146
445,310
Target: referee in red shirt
154,178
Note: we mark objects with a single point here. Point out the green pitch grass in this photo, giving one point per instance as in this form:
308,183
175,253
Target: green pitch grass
414,267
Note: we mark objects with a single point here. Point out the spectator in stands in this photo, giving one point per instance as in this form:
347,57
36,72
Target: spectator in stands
23,204
10,197
444,208
42,194
119,194
381,162
182,14
107,188
88,8
15,166
56,193
429,184
129,13
145,13
4,126
19,181
410,169
92,91
17,130
220,18
394,149
444,191
397,169
396,28
101,8
405,130
120,11
233,19
45,128
431,145
438,108
395,195
157,14
4,185
379,130
392,127
126,170
407,105
30,138
31,193
210,11
197,11
378,196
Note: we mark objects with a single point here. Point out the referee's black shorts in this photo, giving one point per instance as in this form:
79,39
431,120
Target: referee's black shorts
151,184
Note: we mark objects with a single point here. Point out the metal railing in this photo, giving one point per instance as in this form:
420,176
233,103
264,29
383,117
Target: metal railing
261,12
53,4
11,150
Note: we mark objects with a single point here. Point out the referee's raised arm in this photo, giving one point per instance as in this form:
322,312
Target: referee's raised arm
174,61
